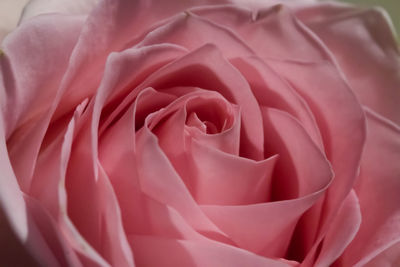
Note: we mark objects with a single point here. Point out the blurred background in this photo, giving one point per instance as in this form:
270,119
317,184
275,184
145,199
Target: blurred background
391,6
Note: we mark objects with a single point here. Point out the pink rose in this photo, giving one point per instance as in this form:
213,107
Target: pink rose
199,133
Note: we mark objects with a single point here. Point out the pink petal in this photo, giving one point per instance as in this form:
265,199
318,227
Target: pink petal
342,231
126,70
363,43
140,213
172,252
242,181
378,191
272,91
70,7
192,32
388,258
46,239
272,32
99,219
29,97
342,125
306,183
159,180
86,253
10,12
46,178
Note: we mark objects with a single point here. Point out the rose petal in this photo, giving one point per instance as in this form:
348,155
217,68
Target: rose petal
48,243
143,178
256,4
126,70
40,7
342,231
10,12
111,26
387,258
342,125
28,97
141,214
46,178
203,163
272,91
99,220
378,191
272,32
192,32
86,253
242,181
246,224
159,180
363,43
172,252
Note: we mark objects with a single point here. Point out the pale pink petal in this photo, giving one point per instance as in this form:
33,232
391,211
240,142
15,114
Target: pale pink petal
362,41
257,4
10,13
271,32
99,219
223,179
202,159
70,7
172,252
378,191
128,69
388,258
192,31
26,99
296,177
272,91
110,26
141,214
159,180
342,125
46,239
302,173
342,231
302,167
87,255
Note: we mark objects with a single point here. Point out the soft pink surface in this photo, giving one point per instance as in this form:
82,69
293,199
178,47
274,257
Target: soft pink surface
199,133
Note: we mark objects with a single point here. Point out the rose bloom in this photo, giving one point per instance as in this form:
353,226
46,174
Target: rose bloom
199,133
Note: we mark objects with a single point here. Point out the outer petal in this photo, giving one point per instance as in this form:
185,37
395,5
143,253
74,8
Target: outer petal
171,253
363,43
344,227
28,86
10,12
378,190
388,258
72,7
342,125
14,226
271,32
